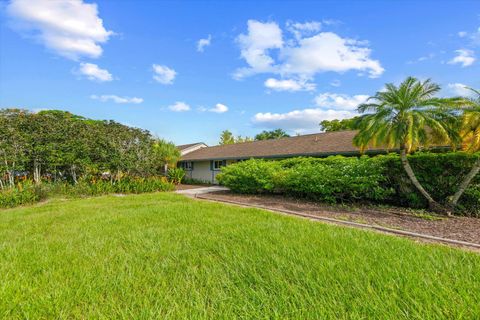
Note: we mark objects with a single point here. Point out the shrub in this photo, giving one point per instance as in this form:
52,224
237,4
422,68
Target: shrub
379,179
175,175
125,185
336,180
252,176
187,180
439,173
27,192
21,194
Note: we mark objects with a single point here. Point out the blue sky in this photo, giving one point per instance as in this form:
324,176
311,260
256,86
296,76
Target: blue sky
188,70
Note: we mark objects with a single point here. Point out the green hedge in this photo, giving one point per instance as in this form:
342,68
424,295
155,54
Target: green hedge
27,192
379,179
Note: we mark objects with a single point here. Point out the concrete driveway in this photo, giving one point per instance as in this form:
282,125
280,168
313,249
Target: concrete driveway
203,190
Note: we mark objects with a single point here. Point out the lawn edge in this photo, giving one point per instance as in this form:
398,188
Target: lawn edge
458,243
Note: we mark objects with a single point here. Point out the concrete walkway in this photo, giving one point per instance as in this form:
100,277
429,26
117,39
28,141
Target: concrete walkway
203,190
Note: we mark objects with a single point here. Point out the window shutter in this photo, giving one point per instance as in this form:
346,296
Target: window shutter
192,165
211,165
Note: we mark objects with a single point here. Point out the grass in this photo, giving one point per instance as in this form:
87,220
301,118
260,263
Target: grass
165,256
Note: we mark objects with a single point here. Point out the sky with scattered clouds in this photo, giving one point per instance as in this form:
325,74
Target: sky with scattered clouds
188,70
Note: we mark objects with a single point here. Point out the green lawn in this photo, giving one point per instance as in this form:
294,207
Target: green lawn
165,256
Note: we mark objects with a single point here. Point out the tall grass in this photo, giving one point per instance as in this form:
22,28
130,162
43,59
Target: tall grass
27,192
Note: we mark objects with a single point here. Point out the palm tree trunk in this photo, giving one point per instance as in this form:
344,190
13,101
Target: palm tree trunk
432,204
465,183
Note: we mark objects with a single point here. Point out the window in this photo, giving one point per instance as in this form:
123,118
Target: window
187,165
218,164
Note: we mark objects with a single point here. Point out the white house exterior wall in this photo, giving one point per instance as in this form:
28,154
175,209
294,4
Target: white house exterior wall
202,171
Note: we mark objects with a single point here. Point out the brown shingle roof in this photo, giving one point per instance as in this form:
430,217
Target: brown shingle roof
318,144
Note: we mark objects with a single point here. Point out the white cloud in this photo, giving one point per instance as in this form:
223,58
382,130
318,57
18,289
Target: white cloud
202,43
94,73
340,101
300,30
462,34
327,51
330,106
302,56
219,108
254,47
71,28
300,120
179,106
464,57
163,74
117,99
459,89
289,85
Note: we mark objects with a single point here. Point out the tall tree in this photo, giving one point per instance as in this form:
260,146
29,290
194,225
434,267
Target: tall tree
13,144
273,134
407,117
56,144
226,137
339,125
470,134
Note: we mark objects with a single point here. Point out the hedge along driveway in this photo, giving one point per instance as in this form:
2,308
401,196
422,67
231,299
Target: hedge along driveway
166,256
379,179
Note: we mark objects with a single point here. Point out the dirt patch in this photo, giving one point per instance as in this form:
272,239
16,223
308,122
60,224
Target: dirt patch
456,228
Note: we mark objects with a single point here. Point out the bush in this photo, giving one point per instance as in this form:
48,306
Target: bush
125,185
336,180
18,196
439,173
252,176
187,180
27,192
175,175
379,179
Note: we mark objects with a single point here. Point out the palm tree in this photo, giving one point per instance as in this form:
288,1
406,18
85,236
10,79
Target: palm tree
408,117
470,133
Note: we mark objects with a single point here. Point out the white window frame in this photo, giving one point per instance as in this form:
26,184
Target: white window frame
188,165
217,165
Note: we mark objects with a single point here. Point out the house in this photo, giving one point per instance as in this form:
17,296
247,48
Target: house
187,148
204,163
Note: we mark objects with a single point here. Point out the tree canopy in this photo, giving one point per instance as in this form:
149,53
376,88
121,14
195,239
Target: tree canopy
59,145
273,134
227,137
407,117
339,125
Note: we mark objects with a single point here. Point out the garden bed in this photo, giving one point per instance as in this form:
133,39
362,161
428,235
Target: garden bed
455,228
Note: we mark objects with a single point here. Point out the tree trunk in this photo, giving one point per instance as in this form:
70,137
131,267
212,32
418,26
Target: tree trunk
36,172
11,178
464,185
74,174
432,204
